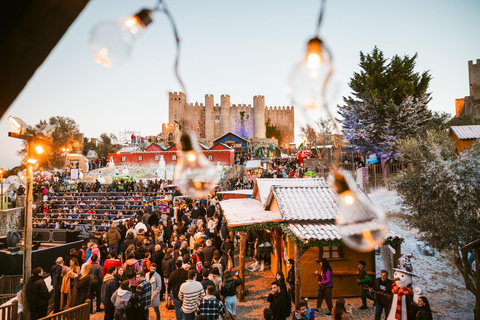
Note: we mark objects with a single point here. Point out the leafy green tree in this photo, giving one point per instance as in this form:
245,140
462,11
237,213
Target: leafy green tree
441,194
388,102
272,131
106,145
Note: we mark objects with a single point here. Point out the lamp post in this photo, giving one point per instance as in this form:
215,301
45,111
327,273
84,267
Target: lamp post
28,228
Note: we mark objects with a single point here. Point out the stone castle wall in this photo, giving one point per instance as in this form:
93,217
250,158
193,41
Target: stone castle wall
470,105
474,79
284,119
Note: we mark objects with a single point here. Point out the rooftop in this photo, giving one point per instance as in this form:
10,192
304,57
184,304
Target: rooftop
466,132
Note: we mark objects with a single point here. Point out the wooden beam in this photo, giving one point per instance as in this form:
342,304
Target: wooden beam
243,241
278,240
298,283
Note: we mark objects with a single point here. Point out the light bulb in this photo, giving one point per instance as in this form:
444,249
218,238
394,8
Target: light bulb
112,41
361,223
195,174
310,77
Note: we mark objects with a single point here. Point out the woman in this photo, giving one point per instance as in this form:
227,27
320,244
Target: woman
120,299
291,279
280,277
82,286
325,283
339,312
184,248
216,278
111,261
103,247
131,267
229,291
156,285
119,276
68,277
128,241
424,312
218,262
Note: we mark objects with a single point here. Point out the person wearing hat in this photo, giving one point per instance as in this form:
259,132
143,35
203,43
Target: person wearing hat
37,294
364,280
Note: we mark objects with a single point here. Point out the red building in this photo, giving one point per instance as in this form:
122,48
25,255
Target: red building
152,154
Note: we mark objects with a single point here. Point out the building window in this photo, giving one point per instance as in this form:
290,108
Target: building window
217,117
157,158
124,158
174,157
140,158
210,157
334,252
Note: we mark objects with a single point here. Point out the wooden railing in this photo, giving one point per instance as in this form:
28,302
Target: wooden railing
81,312
5,297
9,312
8,283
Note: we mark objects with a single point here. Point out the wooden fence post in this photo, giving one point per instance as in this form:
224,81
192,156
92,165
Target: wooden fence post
298,283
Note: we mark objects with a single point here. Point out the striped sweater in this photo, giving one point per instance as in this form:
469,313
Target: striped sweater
191,294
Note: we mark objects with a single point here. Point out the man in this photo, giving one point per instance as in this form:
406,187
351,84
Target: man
364,280
208,251
191,294
96,283
37,295
277,302
56,275
382,288
197,255
168,266
206,282
157,258
177,278
302,312
109,286
144,294
113,238
210,307
227,249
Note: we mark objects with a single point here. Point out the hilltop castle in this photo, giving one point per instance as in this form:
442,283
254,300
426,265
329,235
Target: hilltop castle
470,105
210,121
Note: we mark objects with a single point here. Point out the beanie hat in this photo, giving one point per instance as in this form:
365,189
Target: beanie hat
405,265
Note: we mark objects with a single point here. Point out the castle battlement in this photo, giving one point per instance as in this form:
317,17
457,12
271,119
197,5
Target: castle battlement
470,62
242,105
278,108
196,105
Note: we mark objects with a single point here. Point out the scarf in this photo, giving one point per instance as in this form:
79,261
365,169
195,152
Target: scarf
400,292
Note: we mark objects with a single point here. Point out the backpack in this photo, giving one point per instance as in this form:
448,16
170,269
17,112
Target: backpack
130,271
217,264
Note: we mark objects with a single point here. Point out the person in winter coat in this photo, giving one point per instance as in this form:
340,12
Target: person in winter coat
112,261
113,238
156,286
208,251
96,280
325,284
131,267
68,281
82,286
382,287
339,312
229,291
177,278
364,280
277,302
120,299
56,274
109,286
168,266
424,312
302,312
37,295
228,249
283,289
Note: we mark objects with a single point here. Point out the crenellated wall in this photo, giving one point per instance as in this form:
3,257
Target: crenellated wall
283,118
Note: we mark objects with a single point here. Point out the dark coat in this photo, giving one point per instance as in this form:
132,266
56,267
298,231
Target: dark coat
109,286
229,287
37,292
56,274
157,258
424,314
81,290
208,253
168,266
176,279
277,304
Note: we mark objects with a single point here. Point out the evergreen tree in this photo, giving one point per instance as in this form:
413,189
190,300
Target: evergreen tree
389,102
441,194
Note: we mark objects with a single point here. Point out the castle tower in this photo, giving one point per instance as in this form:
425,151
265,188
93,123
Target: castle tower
259,116
474,79
224,114
209,118
176,106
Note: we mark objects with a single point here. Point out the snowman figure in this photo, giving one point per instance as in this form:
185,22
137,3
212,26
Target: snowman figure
404,297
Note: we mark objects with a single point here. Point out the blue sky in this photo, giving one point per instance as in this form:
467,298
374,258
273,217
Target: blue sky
241,48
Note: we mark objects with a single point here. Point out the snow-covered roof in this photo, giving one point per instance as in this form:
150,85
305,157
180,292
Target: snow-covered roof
247,192
263,185
304,203
466,132
92,154
253,164
129,149
239,212
324,232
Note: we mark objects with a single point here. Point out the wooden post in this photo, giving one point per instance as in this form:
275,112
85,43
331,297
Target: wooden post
243,241
278,240
477,264
398,254
27,236
298,283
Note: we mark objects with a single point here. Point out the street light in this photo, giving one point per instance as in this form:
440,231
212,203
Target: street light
33,142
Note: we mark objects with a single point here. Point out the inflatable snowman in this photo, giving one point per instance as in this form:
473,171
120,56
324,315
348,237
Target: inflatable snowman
404,298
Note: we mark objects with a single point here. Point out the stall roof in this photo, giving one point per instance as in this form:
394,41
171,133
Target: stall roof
247,192
240,212
263,185
253,164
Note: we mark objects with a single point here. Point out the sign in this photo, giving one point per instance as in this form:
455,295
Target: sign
372,159
74,174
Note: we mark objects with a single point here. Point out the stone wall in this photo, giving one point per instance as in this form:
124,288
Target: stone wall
11,220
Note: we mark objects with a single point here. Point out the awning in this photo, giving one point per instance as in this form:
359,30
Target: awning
241,212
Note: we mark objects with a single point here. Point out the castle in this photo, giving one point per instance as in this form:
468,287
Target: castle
210,121
470,106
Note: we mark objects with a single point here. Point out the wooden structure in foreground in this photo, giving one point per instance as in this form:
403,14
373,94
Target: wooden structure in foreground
298,217
81,312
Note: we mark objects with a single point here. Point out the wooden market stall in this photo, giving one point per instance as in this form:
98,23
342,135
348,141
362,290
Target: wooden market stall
306,232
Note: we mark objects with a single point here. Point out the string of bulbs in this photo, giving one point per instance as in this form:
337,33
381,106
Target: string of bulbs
361,224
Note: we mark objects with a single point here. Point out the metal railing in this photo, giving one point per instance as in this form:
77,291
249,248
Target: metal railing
81,312
9,312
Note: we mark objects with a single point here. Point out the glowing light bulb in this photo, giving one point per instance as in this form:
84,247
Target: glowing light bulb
112,42
39,149
310,82
195,174
361,223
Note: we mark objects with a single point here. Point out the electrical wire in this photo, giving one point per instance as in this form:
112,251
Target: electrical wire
320,16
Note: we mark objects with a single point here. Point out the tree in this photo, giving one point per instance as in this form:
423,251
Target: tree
320,135
272,131
388,104
441,191
106,145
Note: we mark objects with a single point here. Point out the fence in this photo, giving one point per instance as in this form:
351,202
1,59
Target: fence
8,283
81,312
9,312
